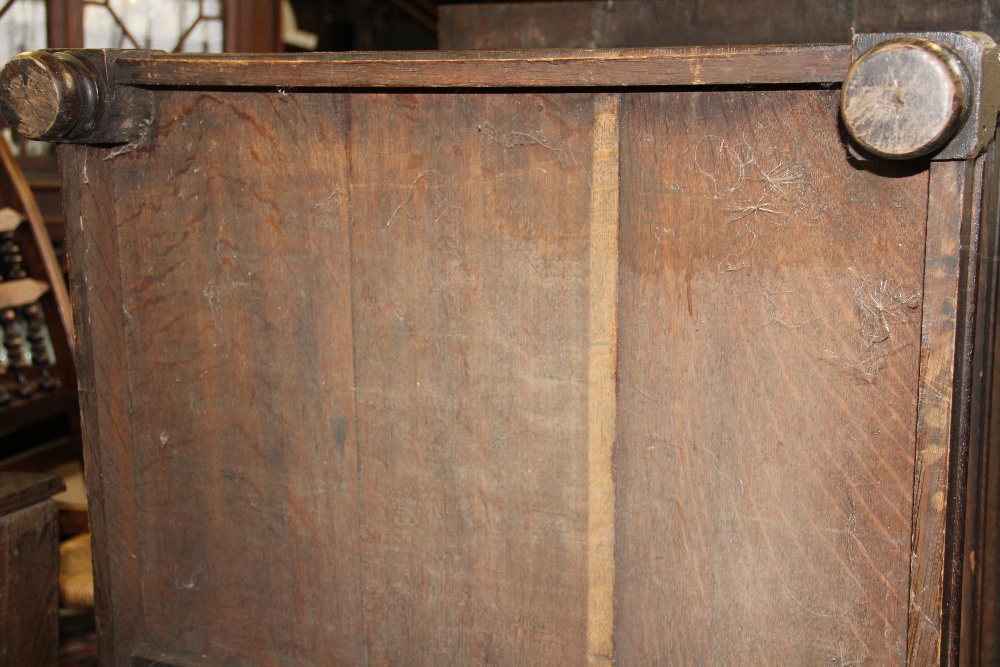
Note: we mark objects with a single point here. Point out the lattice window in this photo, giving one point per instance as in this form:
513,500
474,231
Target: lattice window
168,25
22,27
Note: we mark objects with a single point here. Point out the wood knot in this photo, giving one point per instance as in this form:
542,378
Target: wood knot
905,98
48,96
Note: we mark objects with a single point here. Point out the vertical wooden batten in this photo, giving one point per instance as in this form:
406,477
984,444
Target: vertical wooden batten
105,395
942,412
601,393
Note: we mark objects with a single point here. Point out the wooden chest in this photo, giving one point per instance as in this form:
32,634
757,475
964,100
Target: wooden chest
534,358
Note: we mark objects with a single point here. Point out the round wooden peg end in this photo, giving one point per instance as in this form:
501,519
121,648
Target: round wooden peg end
905,98
46,96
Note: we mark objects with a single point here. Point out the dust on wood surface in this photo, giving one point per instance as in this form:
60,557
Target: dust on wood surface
370,391
361,404
769,340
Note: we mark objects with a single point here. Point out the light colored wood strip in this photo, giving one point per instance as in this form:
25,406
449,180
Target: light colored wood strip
601,396
950,206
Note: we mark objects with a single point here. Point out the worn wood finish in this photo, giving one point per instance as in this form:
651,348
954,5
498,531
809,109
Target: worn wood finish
646,67
375,365
456,254
978,551
29,570
905,97
741,276
105,397
945,377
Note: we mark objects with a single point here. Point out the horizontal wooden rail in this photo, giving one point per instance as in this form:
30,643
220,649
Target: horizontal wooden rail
809,64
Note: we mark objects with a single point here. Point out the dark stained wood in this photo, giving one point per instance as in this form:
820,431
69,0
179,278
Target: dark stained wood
911,15
88,196
646,67
942,422
977,552
29,570
641,23
754,504
19,490
282,465
46,95
646,23
456,254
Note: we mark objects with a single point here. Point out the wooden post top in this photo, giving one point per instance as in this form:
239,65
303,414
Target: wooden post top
906,97
47,95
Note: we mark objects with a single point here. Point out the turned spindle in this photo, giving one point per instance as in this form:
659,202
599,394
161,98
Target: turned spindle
38,337
14,344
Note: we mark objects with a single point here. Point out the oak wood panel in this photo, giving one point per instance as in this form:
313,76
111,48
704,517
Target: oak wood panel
402,533
769,345
431,69
29,586
238,310
470,262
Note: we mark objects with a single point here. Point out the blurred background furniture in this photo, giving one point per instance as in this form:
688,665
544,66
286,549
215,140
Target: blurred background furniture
29,570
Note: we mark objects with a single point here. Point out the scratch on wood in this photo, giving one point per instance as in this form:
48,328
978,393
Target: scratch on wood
601,392
409,194
514,138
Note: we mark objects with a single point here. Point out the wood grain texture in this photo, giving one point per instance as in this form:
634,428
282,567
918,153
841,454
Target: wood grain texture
374,365
601,399
105,396
977,551
942,424
361,406
470,262
432,69
905,98
29,586
769,326
237,308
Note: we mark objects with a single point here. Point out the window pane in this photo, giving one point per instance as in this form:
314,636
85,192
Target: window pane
22,28
100,31
205,38
154,24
